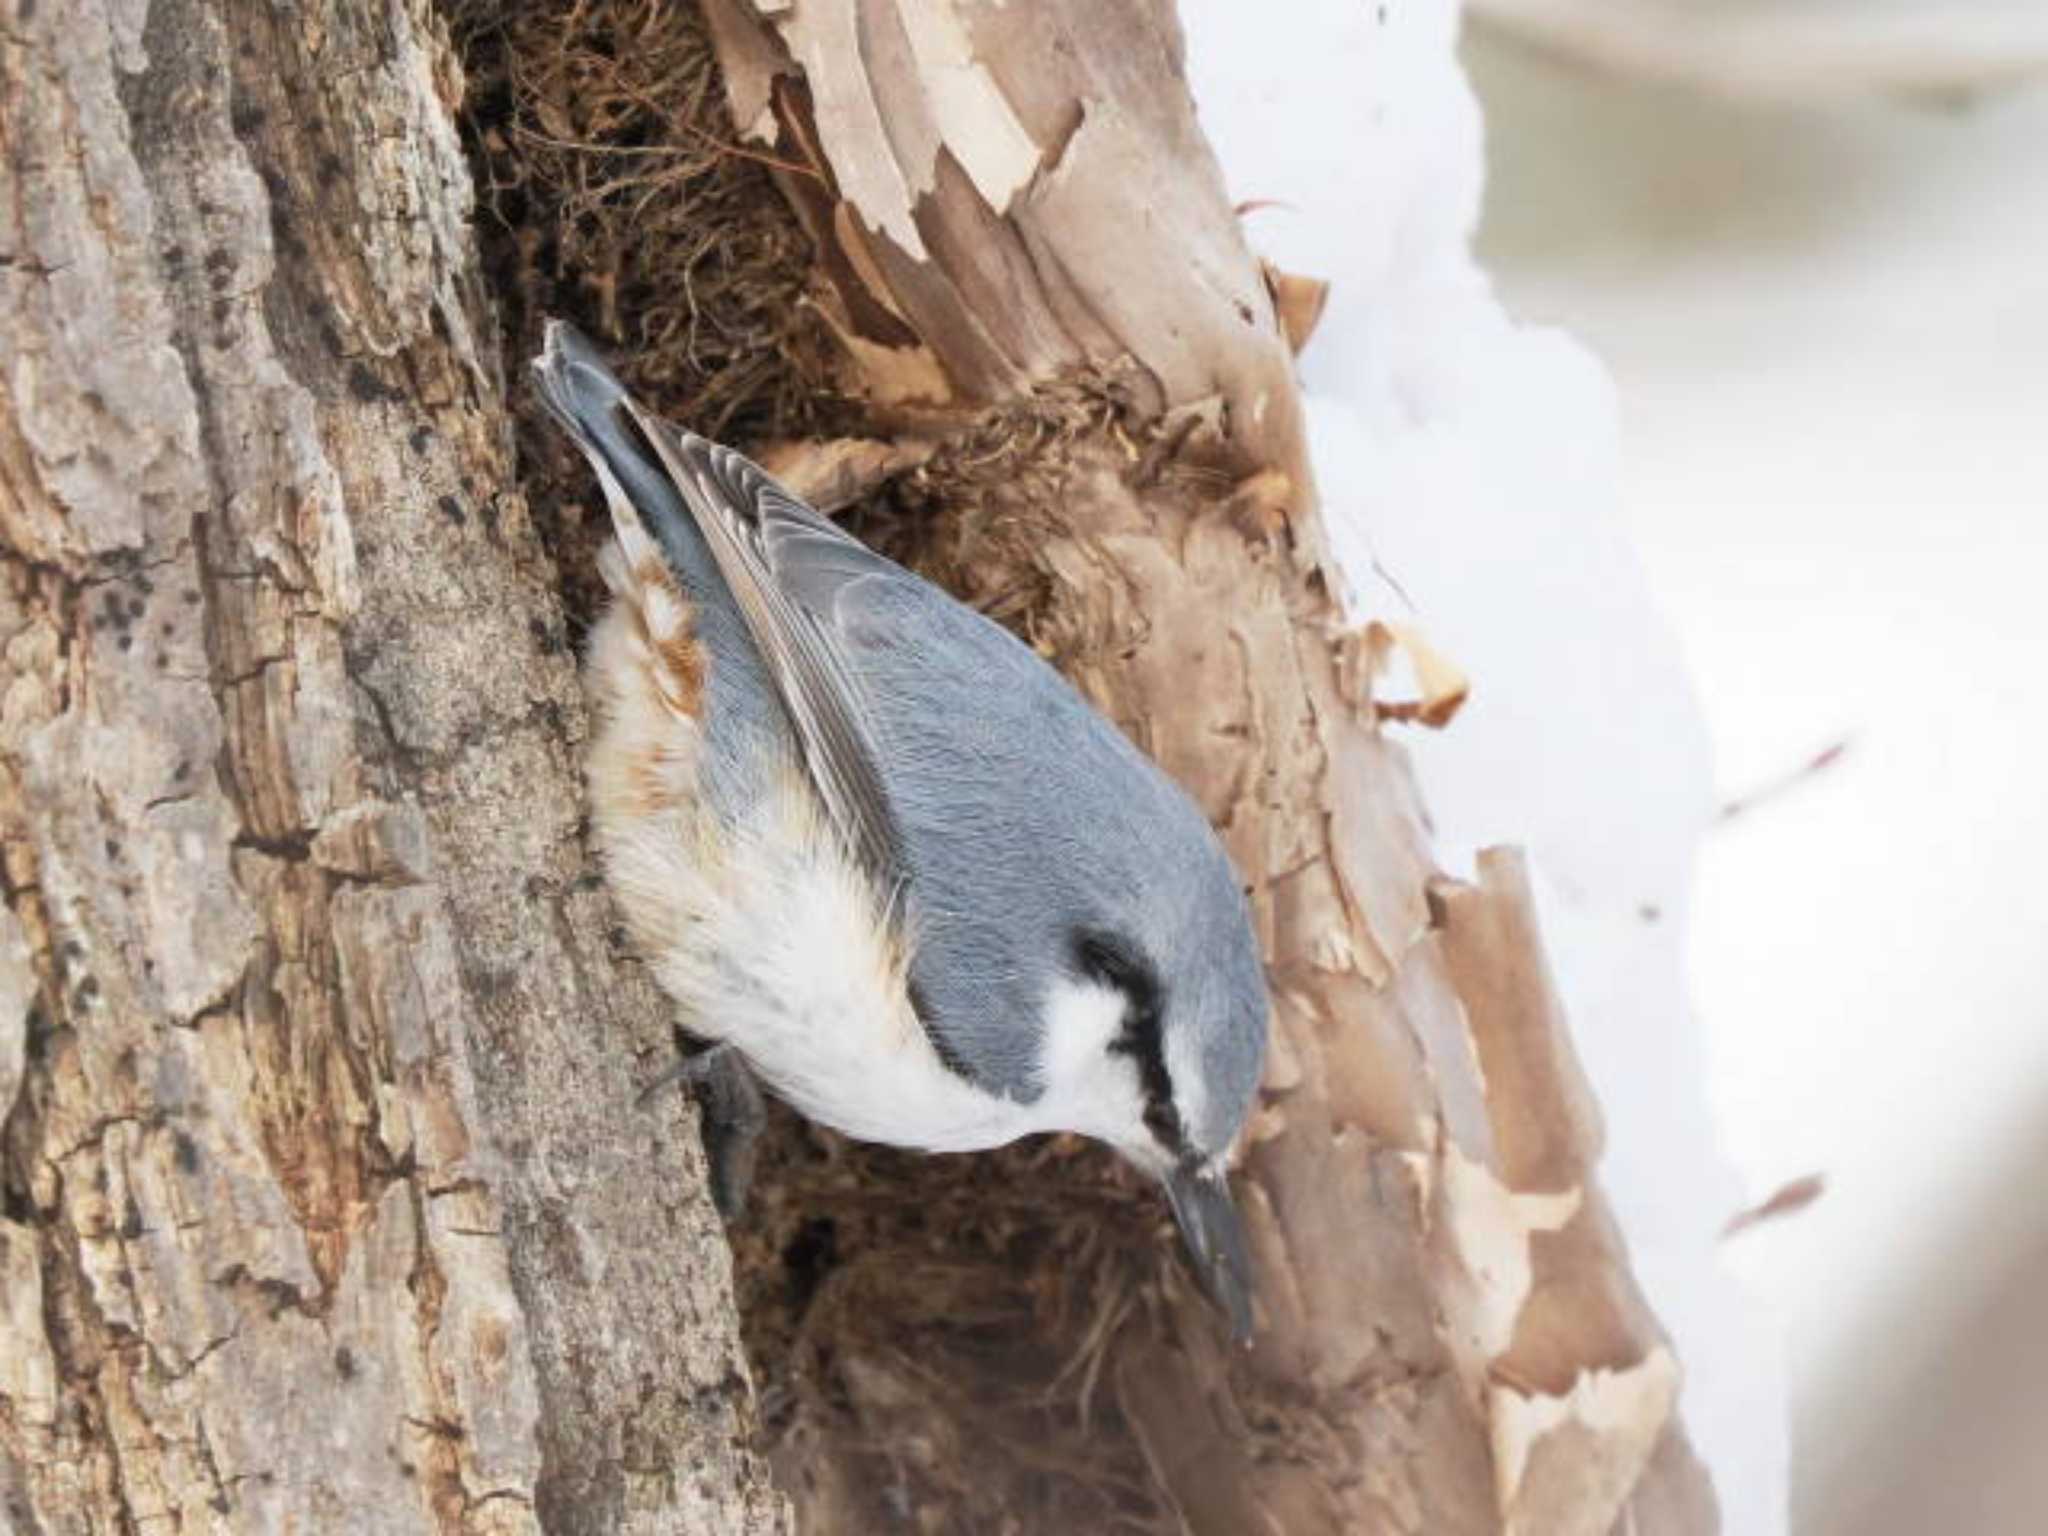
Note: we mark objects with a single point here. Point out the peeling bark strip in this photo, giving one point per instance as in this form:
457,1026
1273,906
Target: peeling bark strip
323,1201
996,186
1008,194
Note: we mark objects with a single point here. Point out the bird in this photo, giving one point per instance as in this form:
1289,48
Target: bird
884,859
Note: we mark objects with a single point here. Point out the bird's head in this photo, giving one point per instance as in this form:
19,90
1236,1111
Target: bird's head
1154,1035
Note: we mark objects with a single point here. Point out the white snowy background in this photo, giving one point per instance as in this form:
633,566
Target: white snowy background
1828,324
1470,480
1798,500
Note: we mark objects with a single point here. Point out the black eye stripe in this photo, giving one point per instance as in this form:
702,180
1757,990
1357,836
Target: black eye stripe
1112,962
1106,958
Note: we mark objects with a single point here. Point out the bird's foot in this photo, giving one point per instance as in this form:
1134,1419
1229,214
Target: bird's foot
733,1115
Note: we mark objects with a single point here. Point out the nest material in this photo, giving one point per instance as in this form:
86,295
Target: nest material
610,194
932,1338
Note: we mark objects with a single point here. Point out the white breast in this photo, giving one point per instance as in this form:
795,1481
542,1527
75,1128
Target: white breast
762,932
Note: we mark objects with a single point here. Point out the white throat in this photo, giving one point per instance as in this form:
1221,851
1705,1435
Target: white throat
1088,1088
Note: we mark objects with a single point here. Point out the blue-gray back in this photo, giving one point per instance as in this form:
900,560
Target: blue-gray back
1026,822
1001,817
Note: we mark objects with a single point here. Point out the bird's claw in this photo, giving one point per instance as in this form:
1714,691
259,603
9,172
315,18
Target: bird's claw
732,1117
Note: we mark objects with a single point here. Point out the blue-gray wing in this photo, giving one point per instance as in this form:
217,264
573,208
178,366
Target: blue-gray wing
782,562
999,814
1025,819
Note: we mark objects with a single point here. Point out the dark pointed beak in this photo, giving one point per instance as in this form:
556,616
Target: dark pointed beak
1215,1238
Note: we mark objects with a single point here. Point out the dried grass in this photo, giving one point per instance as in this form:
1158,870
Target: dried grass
610,193
617,197
938,1330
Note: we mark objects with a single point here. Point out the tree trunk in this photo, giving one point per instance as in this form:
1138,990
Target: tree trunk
1018,222
327,1205
324,1199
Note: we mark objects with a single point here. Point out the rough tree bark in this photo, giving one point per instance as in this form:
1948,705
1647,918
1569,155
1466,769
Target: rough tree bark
326,1203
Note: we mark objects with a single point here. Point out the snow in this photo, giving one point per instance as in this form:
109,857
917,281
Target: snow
1470,481
1831,327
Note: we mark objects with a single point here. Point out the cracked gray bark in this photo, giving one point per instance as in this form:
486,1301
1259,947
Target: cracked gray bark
324,1200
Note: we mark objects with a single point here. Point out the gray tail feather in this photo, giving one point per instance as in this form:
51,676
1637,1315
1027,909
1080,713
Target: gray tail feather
581,391
585,396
